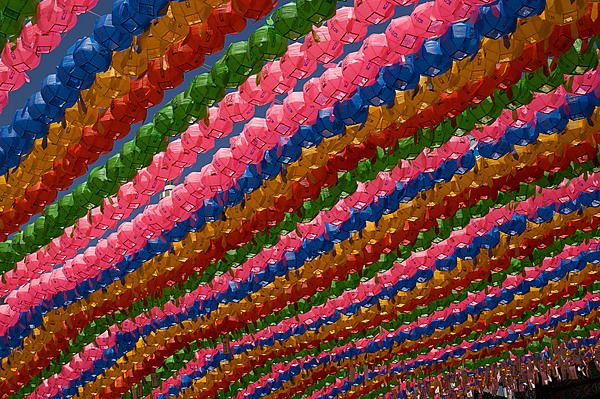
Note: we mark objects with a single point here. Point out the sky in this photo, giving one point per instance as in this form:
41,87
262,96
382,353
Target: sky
84,27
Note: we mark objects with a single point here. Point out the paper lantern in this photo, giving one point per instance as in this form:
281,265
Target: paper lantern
430,60
424,22
296,64
227,20
234,108
345,26
253,94
493,22
289,24
316,11
34,40
145,94
273,80
184,57
126,19
164,76
325,50
90,56
373,12
21,60
402,38
109,36
252,9
52,18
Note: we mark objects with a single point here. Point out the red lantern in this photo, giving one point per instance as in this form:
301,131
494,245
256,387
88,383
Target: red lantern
206,38
125,110
109,127
226,20
163,75
184,56
253,9
145,94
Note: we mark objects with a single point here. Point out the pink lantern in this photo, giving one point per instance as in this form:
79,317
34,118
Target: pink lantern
217,126
326,49
21,300
278,122
178,156
258,134
161,169
583,84
169,210
128,236
313,95
253,94
454,148
546,103
100,257
235,108
453,10
384,184
296,110
244,152
3,99
214,180
313,229
194,188
517,118
425,23
10,79
141,227
375,48
194,140
273,80
157,221
52,18
225,163
359,70
55,249
333,85
146,184
73,242
129,197
101,221
345,27
77,6
360,199
488,134
296,64
373,12
21,59
402,36
115,211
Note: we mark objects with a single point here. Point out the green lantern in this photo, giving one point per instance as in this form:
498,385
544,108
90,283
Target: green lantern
289,24
149,139
166,124
186,109
486,111
316,11
237,61
67,207
84,198
204,90
134,157
101,182
266,44
543,80
514,97
121,172
573,62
